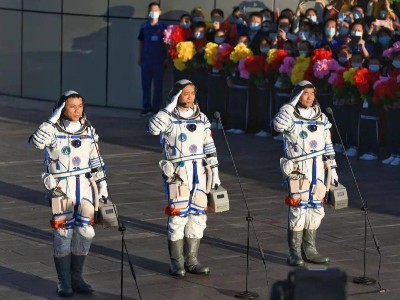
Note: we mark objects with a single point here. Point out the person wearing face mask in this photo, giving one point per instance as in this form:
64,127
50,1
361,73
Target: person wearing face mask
238,22
304,30
311,14
305,48
218,23
358,13
330,36
255,34
357,42
197,15
75,181
284,26
309,155
344,30
189,170
369,120
380,10
383,41
185,23
152,58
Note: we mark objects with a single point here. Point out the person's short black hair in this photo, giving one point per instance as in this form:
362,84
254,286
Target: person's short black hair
153,3
184,16
218,11
199,25
256,14
311,9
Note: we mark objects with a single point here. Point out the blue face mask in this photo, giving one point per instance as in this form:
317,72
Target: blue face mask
342,59
396,64
185,25
356,64
217,19
197,19
344,31
330,32
374,68
285,28
384,40
219,40
264,49
255,26
239,21
304,35
304,53
198,35
265,29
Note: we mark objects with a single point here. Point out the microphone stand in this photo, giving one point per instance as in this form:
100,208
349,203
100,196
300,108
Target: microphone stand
246,294
121,228
362,279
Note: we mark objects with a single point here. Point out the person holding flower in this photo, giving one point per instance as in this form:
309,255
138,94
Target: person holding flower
309,155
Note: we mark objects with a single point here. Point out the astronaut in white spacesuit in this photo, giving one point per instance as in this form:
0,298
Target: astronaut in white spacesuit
309,166
75,181
190,170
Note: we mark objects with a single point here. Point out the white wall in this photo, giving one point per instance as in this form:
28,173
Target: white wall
85,45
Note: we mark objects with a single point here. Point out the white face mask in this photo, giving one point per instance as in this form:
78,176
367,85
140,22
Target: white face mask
198,35
357,33
313,19
154,15
330,32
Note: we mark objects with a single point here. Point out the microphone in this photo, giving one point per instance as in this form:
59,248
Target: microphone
217,115
329,111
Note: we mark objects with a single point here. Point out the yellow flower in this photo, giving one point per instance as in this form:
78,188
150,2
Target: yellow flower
300,67
239,52
271,55
211,53
348,75
179,64
186,51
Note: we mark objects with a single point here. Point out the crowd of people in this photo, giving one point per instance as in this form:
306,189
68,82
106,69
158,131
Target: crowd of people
350,51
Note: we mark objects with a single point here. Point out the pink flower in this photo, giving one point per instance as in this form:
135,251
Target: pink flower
333,77
333,65
382,79
321,68
168,33
389,52
287,65
242,69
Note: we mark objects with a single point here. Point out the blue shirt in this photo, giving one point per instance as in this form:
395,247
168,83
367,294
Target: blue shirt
335,44
154,49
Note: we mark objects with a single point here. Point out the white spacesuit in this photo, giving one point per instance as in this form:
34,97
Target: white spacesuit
190,169
308,154
75,180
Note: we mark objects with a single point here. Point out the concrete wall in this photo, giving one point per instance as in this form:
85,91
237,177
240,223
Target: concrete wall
49,46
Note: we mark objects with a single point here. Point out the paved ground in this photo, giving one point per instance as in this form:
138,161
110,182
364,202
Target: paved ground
26,266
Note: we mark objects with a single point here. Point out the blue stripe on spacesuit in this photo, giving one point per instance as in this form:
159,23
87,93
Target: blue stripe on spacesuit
78,191
313,180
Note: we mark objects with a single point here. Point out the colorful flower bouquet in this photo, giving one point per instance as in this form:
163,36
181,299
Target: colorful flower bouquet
364,80
217,56
344,89
252,68
274,61
387,91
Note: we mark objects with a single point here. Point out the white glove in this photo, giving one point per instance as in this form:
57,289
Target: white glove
334,177
296,99
103,191
44,136
215,179
56,114
174,101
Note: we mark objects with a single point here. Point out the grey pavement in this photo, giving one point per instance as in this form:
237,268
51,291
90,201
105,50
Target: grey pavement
132,155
